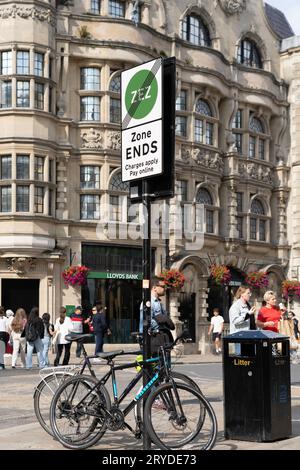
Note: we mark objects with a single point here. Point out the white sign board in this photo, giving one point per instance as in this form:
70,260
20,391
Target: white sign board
142,121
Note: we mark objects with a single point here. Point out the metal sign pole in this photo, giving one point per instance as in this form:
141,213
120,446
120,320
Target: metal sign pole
146,292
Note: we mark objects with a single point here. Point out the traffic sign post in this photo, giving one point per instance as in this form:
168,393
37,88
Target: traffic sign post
144,135
142,121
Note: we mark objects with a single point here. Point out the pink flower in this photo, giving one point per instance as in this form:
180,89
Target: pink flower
75,275
173,279
257,279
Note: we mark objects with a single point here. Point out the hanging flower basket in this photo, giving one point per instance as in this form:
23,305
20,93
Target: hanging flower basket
257,279
75,275
290,289
174,280
220,274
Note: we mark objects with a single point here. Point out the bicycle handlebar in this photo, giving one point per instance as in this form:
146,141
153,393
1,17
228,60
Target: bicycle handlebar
184,337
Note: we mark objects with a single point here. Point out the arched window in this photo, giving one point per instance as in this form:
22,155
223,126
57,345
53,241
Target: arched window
116,183
204,126
115,102
204,197
119,203
256,125
115,84
257,221
257,141
202,107
195,31
257,207
248,54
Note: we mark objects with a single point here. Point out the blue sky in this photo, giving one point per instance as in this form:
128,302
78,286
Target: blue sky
291,9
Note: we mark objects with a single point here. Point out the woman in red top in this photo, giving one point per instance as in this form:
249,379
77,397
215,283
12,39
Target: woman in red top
269,316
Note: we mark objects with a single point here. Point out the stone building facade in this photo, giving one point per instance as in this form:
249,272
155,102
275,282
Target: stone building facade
60,150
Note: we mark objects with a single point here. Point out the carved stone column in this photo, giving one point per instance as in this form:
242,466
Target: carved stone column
282,218
232,210
61,192
174,313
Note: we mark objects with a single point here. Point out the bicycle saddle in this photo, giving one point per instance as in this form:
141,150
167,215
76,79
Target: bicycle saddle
111,354
77,337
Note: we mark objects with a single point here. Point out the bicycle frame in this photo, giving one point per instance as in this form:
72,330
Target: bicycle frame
118,400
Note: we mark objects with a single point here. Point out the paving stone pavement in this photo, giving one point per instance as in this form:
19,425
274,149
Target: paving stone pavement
19,429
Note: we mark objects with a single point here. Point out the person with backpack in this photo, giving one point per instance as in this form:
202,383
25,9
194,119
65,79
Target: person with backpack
34,333
161,324
48,333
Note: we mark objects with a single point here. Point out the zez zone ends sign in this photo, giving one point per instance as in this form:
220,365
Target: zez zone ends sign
142,121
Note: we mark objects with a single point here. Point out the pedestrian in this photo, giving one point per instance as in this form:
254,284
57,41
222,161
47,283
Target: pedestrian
287,328
10,316
296,324
63,326
269,316
77,320
99,326
4,336
240,313
161,324
48,333
34,333
241,310
216,327
19,342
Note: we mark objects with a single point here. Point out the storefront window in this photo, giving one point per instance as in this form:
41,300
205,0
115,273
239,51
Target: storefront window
115,279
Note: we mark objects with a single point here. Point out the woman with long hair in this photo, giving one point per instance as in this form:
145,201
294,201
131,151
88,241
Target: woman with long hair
17,327
34,333
48,333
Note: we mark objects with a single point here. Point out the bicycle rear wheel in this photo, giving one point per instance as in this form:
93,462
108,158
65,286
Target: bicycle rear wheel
77,416
43,395
173,422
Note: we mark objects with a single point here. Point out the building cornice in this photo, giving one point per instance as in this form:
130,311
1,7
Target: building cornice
39,11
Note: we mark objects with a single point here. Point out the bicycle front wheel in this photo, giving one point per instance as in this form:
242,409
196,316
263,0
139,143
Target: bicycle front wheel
174,418
43,395
77,412
178,377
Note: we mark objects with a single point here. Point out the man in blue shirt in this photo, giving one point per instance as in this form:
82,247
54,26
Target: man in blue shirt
161,323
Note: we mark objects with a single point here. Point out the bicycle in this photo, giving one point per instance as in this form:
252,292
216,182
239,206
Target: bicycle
53,377
79,417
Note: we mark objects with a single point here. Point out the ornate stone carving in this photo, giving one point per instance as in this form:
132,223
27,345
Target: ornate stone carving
114,140
91,139
185,153
208,159
256,172
230,141
232,247
242,169
252,170
33,12
20,265
233,6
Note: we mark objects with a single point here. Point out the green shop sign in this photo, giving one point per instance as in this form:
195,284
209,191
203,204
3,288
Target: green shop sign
115,275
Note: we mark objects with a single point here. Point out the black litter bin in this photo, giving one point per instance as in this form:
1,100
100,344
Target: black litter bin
257,386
